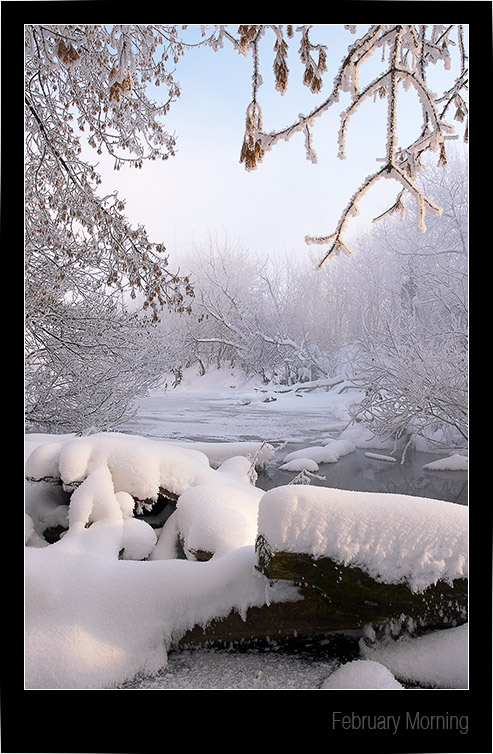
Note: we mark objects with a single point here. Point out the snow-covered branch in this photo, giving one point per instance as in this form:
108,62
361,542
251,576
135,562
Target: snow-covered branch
86,85
412,48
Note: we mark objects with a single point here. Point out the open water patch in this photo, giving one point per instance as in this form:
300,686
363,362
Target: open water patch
356,471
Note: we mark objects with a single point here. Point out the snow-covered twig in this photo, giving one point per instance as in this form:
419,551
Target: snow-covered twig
410,53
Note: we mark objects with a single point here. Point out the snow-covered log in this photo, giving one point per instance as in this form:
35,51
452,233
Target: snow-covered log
144,468
358,559
354,599
375,558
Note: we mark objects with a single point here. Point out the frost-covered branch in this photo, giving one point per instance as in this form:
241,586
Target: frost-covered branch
411,49
86,87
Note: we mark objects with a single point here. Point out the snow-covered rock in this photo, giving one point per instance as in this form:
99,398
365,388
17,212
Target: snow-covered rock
362,674
300,464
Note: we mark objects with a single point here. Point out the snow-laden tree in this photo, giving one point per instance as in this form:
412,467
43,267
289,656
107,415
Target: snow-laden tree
86,84
87,363
251,313
414,364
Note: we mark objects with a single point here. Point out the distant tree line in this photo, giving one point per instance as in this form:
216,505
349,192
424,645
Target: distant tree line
393,319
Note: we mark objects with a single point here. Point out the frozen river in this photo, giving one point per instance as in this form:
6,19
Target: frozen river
194,415
298,421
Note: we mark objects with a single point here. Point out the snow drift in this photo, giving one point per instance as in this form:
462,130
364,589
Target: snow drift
105,602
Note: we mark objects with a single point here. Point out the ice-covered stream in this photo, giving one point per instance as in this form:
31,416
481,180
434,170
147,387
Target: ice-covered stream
290,422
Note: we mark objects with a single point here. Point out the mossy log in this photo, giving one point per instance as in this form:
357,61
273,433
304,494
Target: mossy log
354,599
335,600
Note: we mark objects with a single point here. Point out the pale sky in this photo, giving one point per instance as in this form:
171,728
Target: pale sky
204,190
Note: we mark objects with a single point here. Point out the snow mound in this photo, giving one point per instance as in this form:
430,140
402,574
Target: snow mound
437,660
394,538
329,453
300,464
456,462
222,515
138,539
362,674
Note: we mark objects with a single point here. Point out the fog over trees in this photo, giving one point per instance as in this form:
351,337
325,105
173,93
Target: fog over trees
392,320
106,317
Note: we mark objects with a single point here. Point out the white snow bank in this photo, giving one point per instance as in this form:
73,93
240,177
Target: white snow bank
362,674
328,453
96,622
437,660
394,538
456,462
138,465
222,515
214,382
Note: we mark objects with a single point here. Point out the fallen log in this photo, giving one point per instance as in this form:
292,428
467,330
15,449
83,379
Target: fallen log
278,622
360,560
335,600
353,599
